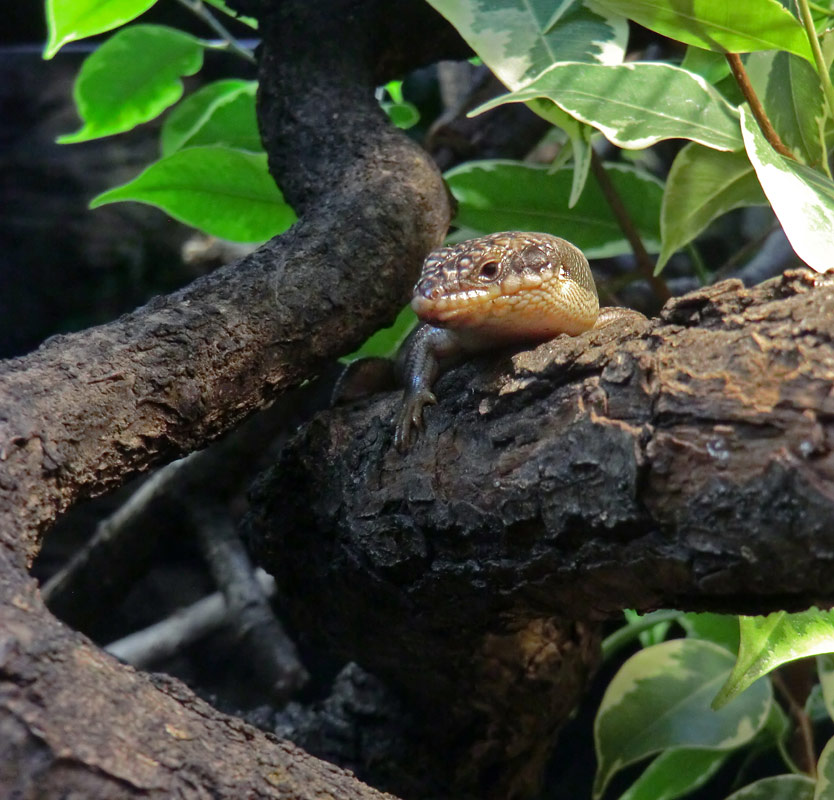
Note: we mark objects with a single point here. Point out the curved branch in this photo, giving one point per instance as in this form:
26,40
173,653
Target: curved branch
86,411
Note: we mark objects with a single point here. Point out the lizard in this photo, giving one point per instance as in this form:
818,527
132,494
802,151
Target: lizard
496,290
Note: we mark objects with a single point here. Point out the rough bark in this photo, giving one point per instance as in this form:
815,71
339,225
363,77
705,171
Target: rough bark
85,412
683,462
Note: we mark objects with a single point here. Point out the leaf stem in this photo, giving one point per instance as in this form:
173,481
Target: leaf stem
743,81
641,255
811,33
197,7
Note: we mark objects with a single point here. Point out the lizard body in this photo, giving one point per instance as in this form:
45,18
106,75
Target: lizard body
488,292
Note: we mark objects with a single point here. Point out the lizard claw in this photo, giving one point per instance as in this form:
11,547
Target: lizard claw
410,417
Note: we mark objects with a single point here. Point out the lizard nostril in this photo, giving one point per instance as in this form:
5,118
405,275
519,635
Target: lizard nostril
431,291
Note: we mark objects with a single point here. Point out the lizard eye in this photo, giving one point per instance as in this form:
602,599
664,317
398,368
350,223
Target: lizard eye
488,270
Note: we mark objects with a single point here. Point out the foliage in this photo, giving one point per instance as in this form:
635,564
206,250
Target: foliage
635,104
662,701
567,60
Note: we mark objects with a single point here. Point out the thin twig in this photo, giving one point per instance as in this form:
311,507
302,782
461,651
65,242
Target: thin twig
743,81
261,637
197,7
165,639
641,255
803,724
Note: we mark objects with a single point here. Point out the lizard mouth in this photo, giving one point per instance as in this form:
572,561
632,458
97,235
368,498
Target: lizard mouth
448,307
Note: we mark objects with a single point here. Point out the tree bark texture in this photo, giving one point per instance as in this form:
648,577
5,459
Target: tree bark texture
681,462
684,461
86,411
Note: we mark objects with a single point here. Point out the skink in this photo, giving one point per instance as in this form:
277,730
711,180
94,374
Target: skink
489,292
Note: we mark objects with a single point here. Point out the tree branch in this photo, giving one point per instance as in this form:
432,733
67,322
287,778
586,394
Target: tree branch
86,411
682,462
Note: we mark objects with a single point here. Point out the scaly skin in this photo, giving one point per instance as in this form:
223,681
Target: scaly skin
487,292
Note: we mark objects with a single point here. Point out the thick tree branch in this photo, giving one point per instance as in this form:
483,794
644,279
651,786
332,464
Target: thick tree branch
686,461
86,411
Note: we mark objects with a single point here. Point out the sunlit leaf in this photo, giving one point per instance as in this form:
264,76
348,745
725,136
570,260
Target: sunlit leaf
637,104
767,642
222,112
68,20
802,198
780,787
518,39
660,699
703,184
132,78
510,195
226,193
723,27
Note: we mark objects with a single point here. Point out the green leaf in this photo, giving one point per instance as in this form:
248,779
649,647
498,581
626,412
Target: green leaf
224,192
767,642
825,773
403,115
825,670
509,195
723,27
579,144
675,773
720,629
703,184
780,787
712,67
635,105
385,343
660,699
790,91
68,20
518,39
222,112
801,198
132,78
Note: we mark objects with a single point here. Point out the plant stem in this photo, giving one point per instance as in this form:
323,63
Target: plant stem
641,255
810,31
629,632
805,743
197,7
743,81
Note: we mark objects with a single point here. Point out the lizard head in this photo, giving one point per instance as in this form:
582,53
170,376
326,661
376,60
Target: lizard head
508,287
